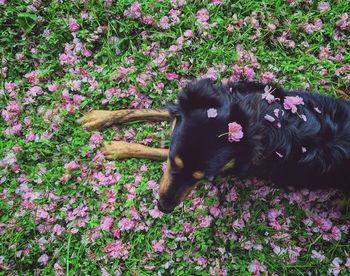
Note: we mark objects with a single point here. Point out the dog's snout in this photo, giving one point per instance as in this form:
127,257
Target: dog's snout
164,208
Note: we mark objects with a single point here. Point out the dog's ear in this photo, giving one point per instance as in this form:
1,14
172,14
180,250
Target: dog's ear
200,94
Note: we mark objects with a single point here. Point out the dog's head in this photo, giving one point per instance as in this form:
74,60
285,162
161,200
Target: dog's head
196,149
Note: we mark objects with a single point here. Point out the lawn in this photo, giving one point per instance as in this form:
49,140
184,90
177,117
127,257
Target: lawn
65,210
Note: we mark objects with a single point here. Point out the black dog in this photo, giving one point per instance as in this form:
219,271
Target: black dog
294,139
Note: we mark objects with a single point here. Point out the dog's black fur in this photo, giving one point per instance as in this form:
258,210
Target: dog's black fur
325,136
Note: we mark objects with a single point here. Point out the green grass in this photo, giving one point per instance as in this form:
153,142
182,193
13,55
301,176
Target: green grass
34,40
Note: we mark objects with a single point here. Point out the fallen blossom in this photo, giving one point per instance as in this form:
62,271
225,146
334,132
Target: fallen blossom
235,132
212,113
291,103
269,118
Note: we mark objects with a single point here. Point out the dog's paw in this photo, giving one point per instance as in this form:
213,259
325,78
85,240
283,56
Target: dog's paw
115,150
97,119
107,151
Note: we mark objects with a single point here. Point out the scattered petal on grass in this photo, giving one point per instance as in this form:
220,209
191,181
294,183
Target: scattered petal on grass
62,200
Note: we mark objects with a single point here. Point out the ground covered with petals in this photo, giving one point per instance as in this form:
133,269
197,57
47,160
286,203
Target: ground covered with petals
64,209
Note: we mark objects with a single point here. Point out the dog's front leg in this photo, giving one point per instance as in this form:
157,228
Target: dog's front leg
122,150
97,119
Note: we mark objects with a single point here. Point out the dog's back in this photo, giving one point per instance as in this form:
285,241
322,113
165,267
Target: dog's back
309,147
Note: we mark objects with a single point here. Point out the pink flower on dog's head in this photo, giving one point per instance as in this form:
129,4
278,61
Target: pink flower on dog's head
291,103
235,133
212,113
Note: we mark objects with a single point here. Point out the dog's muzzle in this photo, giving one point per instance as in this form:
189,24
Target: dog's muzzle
165,209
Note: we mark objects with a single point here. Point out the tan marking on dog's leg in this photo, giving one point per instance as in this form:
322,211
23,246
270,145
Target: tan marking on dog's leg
165,181
96,119
122,150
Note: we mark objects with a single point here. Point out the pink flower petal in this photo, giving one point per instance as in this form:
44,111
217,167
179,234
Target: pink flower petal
317,110
212,113
235,133
269,118
279,155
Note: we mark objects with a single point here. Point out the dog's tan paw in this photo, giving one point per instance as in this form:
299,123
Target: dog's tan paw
96,119
113,150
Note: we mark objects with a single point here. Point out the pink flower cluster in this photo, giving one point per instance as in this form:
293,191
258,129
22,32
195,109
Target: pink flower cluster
134,11
73,25
95,140
12,89
33,78
10,160
70,55
323,6
285,39
99,179
310,28
203,15
117,250
255,268
70,102
246,71
11,115
158,246
343,22
122,73
267,77
107,223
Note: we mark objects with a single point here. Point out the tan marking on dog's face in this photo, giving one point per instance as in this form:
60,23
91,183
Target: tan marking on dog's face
165,180
198,175
178,162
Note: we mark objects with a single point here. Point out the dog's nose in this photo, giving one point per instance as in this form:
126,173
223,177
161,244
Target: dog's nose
163,209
